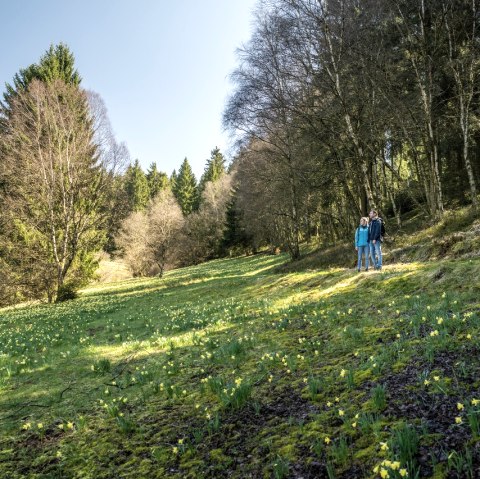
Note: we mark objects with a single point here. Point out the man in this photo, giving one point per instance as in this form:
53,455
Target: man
375,239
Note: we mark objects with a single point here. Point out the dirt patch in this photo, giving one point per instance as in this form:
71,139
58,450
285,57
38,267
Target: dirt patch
433,413
240,433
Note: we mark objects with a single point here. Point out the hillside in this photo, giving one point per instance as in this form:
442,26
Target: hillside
234,369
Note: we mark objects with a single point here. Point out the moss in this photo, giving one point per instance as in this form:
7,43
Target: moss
367,453
189,462
217,456
288,451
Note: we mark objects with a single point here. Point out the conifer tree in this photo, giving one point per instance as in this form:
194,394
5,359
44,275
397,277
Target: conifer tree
58,63
157,180
173,182
186,188
54,213
214,168
46,126
136,187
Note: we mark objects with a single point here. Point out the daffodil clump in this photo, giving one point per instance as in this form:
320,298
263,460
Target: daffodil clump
286,374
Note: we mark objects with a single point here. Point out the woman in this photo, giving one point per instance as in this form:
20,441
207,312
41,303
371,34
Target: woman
361,243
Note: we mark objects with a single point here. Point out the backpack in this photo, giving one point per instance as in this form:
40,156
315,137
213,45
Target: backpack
382,229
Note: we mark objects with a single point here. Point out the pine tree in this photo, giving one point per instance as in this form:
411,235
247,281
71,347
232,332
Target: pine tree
157,180
214,169
186,188
58,63
51,86
173,182
136,187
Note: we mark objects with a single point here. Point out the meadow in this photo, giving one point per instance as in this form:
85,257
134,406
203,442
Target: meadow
237,368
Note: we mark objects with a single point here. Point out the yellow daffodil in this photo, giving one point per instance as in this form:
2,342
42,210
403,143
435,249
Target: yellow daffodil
460,406
395,465
458,420
384,473
327,440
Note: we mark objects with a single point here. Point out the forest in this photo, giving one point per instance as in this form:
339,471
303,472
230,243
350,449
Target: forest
338,107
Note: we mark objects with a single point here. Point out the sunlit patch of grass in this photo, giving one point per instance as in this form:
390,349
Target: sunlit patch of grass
274,364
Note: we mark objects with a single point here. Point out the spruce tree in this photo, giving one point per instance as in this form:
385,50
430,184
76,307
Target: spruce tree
53,83
57,63
214,169
173,182
186,188
157,180
136,187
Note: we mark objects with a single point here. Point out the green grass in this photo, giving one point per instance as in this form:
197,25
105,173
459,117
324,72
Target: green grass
230,369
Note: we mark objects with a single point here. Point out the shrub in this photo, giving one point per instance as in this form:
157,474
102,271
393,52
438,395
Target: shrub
66,292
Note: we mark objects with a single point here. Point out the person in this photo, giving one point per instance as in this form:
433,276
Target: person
375,239
361,243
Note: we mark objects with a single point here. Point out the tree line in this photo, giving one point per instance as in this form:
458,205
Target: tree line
344,105
172,221
68,190
338,107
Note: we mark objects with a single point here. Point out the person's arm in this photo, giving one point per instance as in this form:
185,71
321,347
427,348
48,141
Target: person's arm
378,230
356,238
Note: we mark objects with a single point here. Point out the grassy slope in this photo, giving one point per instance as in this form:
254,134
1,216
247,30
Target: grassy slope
457,235
229,369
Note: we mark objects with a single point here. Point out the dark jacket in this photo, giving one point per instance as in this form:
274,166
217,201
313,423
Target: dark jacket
375,230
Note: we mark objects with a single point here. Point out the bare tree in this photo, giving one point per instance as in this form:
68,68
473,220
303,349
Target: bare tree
113,155
133,243
57,185
463,58
165,226
150,240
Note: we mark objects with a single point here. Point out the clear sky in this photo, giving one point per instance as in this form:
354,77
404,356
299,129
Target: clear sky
161,66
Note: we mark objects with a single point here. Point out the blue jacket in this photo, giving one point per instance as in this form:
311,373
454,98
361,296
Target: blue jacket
361,236
375,229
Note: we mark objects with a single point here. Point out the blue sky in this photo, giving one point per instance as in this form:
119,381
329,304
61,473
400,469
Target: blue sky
161,66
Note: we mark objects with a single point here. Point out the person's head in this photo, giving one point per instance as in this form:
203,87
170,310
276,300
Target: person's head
373,214
363,221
